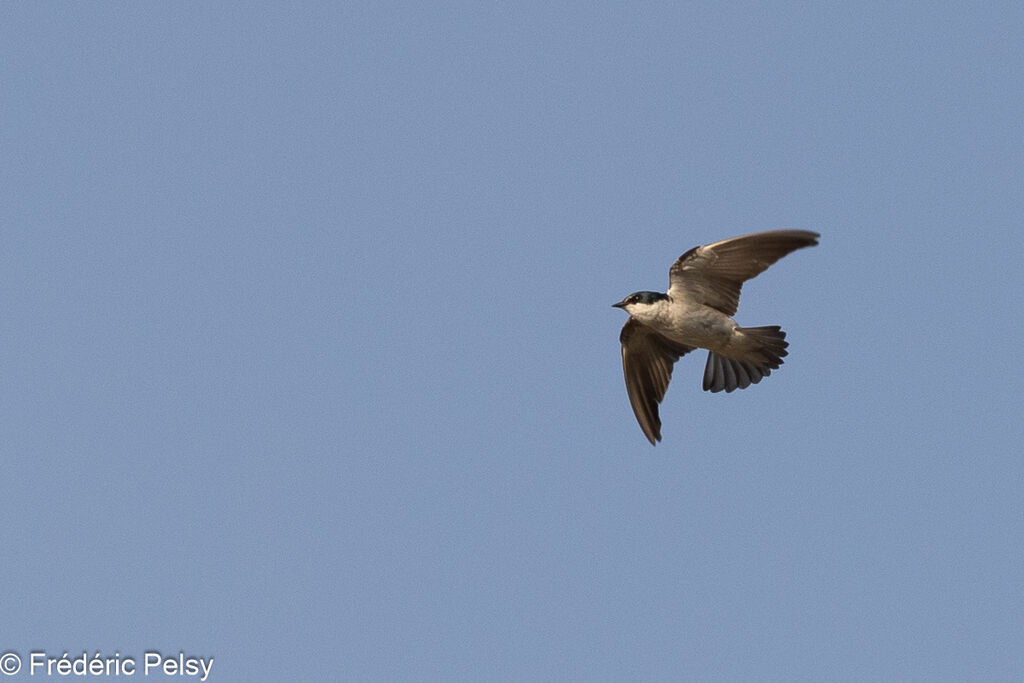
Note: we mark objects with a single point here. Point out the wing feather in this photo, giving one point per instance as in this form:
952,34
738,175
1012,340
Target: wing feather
647,360
714,274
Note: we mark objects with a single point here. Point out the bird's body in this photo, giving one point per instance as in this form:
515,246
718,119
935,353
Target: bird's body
696,312
689,323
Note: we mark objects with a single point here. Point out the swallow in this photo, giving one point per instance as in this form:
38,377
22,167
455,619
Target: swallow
696,312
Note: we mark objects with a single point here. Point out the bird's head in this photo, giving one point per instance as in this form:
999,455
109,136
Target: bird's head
639,303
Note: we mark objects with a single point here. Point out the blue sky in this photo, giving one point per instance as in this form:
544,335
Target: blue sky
309,363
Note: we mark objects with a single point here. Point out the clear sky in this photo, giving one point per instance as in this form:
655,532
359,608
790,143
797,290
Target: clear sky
309,364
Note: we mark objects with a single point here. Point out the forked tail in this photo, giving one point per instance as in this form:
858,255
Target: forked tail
763,351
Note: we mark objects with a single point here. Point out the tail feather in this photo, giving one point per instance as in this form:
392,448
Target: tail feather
767,347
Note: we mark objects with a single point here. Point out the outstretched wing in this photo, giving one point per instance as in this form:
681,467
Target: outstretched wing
713,274
647,360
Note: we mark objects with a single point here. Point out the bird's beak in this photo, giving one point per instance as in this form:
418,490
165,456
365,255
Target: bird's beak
621,304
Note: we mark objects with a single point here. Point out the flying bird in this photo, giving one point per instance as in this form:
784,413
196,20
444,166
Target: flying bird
696,312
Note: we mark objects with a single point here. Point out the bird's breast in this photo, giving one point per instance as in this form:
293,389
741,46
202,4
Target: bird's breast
700,326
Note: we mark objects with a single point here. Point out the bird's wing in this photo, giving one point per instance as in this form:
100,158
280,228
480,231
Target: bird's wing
647,360
713,274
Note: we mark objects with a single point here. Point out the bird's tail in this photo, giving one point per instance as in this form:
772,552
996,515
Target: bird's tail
761,352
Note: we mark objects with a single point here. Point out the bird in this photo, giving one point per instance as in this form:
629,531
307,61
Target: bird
696,312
